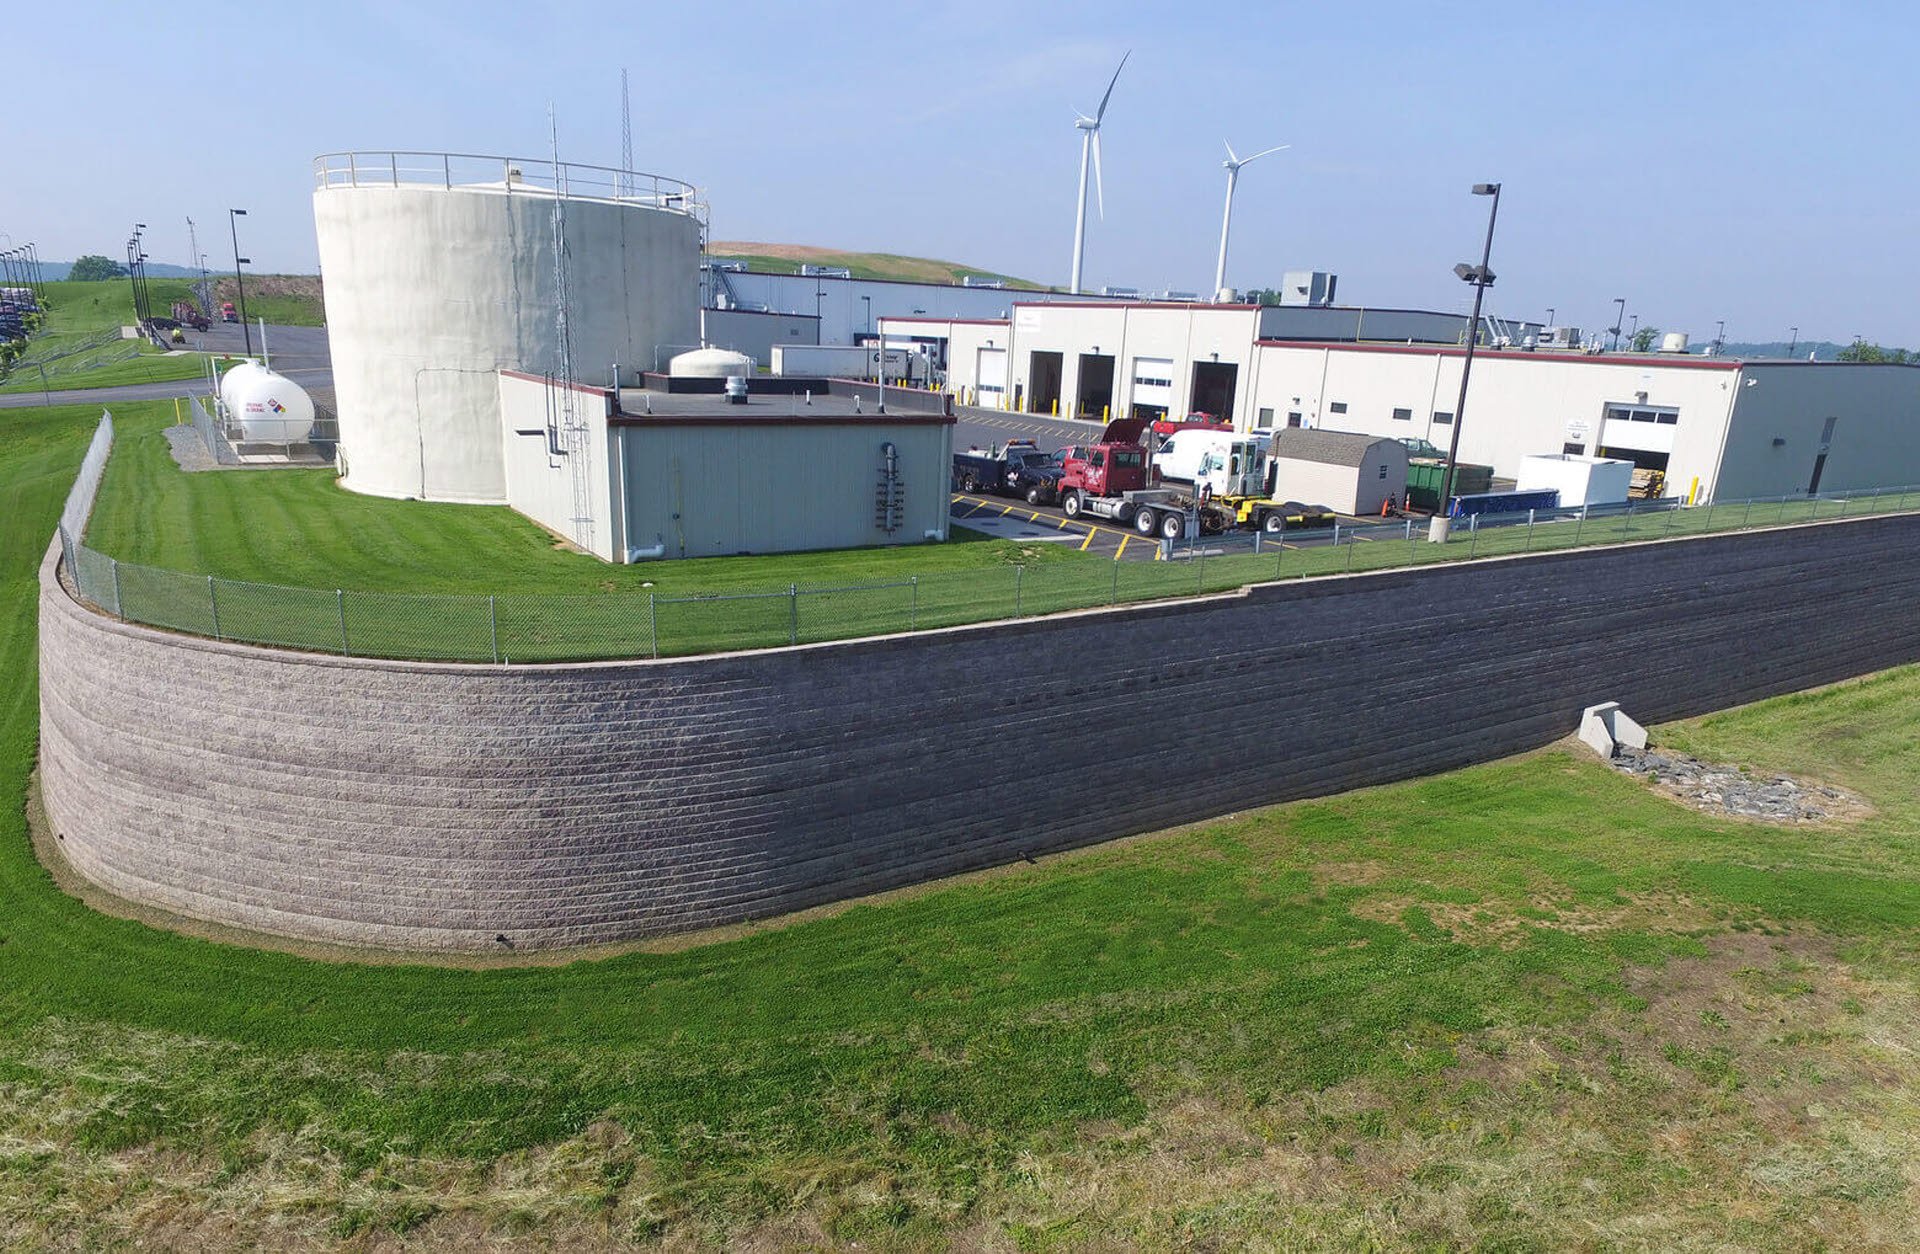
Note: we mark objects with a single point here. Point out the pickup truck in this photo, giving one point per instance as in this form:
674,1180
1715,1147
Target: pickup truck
1016,468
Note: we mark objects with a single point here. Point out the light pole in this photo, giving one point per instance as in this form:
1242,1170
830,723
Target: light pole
1719,336
246,332
1619,315
1481,278
1633,330
1550,312
1793,344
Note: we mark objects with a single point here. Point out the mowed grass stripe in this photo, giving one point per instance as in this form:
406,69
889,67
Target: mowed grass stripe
1333,980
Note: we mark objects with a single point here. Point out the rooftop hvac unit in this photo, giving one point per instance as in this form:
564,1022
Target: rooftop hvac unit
1129,292
826,272
970,280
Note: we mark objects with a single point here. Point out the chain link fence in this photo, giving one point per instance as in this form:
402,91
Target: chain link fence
640,623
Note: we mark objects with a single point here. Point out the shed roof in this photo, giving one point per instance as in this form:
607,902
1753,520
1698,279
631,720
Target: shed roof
1332,448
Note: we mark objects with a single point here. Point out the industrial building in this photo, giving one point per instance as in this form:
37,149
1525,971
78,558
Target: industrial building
1712,426
633,474
1151,359
1715,427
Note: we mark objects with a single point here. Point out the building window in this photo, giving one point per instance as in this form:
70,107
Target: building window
1403,415
1293,417
1442,418
1266,417
1643,413
1338,407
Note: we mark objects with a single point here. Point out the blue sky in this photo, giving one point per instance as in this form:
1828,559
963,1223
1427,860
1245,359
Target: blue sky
1736,161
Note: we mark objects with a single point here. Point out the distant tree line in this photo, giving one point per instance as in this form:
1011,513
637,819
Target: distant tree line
1860,350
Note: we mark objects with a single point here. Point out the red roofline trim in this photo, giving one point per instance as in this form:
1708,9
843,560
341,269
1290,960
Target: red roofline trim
1450,350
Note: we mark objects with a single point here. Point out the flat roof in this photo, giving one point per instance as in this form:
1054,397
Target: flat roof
762,409
1680,361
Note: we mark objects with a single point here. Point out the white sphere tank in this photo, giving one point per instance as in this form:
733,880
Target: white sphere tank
440,273
269,408
711,363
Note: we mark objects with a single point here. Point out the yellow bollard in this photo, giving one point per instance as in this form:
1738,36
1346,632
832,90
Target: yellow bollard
1056,407
1103,413
177,419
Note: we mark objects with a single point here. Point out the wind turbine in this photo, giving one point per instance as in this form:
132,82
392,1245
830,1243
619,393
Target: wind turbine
1233,164
1090,146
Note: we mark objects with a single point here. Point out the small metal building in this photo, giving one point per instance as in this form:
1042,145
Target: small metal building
652,473
1349,473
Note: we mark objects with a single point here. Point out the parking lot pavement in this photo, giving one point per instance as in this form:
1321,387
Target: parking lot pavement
1016,520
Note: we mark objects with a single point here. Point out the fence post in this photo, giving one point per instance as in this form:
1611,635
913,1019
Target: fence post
913,614
213,601
1626,521
340,608
1668,529
1473,538
653,624
493,628
1579,521
116,585
793,613
1019,581
1199,571
1530,531
1349,569
1114,598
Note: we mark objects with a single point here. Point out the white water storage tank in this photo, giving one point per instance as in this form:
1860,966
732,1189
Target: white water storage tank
268,408
440,273
711,363
1674,342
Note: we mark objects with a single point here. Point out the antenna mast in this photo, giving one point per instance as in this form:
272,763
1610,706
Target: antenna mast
574,444
626,130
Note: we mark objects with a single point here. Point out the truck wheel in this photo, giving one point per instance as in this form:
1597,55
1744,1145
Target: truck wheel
1035,495
1070,506
1173,526
1143,522
1273,524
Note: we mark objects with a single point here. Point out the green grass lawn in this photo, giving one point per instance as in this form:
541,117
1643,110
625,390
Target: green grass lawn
774,259
1526,1005
79,312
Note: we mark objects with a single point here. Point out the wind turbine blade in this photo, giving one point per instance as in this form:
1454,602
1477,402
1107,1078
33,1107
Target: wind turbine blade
1102,111
1256,156
1232,157
1099,185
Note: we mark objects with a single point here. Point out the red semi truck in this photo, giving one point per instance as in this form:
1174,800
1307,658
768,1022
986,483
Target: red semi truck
1113,478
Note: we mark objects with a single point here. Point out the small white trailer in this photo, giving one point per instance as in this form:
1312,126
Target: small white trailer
840,361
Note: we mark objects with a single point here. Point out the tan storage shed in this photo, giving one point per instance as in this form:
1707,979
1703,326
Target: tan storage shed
1344,471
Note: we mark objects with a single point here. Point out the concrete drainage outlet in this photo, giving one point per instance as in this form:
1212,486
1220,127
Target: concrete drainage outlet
1729,791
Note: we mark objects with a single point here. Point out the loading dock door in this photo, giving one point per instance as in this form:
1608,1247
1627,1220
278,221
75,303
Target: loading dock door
1094,397
1152,387
992,376
1043,374
1214,383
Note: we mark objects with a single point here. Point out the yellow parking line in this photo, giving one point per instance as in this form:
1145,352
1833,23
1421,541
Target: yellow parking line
1123,546
1089,540
1006,511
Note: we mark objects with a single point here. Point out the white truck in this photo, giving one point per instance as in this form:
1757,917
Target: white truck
840,361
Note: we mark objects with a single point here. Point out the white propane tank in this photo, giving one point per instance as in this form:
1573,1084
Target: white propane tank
234,376
269,408
710,363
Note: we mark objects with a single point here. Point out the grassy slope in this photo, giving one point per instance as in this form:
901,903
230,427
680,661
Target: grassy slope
284,300
78,310
1526,1004
299,527
787,259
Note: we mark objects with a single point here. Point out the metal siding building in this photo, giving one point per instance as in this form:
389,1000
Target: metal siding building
704,484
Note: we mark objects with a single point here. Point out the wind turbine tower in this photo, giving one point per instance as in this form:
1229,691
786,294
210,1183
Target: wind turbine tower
1090,147
1233,164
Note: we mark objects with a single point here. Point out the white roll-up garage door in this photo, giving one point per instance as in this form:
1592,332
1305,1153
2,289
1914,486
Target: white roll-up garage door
992,374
